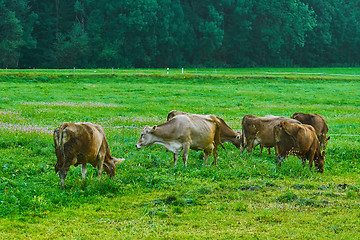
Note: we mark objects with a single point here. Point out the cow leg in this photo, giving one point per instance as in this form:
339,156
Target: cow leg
186,147
83,170
303,159
250,146
215,154
100,159
269,151
64,171
279,160
249,149
176,155
206,157
207,153
311,159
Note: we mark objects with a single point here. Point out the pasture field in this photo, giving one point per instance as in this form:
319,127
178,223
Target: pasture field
246,197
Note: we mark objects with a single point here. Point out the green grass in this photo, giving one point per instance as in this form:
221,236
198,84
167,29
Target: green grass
239,72
247,196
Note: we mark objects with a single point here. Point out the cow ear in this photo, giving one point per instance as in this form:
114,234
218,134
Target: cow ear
328,138
283,124
117,160
153,129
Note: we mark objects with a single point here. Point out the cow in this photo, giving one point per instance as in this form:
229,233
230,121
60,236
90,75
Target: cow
226,133
319,124
299,140
184,132
259,131
82,143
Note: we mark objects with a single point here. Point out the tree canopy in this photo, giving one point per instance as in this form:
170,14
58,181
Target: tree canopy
179,33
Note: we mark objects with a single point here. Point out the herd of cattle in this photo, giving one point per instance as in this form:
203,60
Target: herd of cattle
303,135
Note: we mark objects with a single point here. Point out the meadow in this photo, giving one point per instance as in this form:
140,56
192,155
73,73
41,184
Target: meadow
246,197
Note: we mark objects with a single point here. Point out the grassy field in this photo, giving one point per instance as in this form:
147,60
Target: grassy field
234,72
246,196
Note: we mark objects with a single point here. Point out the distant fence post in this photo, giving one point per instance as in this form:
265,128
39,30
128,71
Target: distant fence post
215,70
112,70
74,71
196,70
167,72
182,70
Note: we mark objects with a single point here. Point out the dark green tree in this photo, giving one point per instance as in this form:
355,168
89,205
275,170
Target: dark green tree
278,28
16,29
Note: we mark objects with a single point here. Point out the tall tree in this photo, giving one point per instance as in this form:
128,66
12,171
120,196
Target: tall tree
279,26
16,28
10,37
175,33
238,20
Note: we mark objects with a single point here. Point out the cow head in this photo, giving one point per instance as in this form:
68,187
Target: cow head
323,141
109,165
238,140
298,116
289,128
320,162
146,138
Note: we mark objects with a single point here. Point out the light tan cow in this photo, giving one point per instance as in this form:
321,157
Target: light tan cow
259,131
82,143
185,132
319,124
226,133
299,140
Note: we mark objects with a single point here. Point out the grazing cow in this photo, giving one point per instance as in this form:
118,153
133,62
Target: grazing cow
226,133
184,132
82,143
299,140
319,124
259,131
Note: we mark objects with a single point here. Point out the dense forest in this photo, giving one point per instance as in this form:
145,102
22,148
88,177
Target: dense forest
179,33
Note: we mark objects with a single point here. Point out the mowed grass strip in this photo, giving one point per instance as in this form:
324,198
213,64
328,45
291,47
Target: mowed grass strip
247,196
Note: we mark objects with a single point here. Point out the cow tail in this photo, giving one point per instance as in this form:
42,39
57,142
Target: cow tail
57,149
243,131
60,137
244,136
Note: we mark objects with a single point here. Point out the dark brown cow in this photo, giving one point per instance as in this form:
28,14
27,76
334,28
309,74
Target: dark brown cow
82,143
185,132
299,140
226,133
259,131
319,124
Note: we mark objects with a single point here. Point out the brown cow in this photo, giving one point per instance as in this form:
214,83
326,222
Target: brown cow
184,132
226,133
299,140
319,124
259,131
82,143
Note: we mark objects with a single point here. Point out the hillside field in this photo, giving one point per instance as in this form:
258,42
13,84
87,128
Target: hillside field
246,197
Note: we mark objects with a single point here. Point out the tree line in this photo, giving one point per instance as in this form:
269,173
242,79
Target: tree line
179,33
